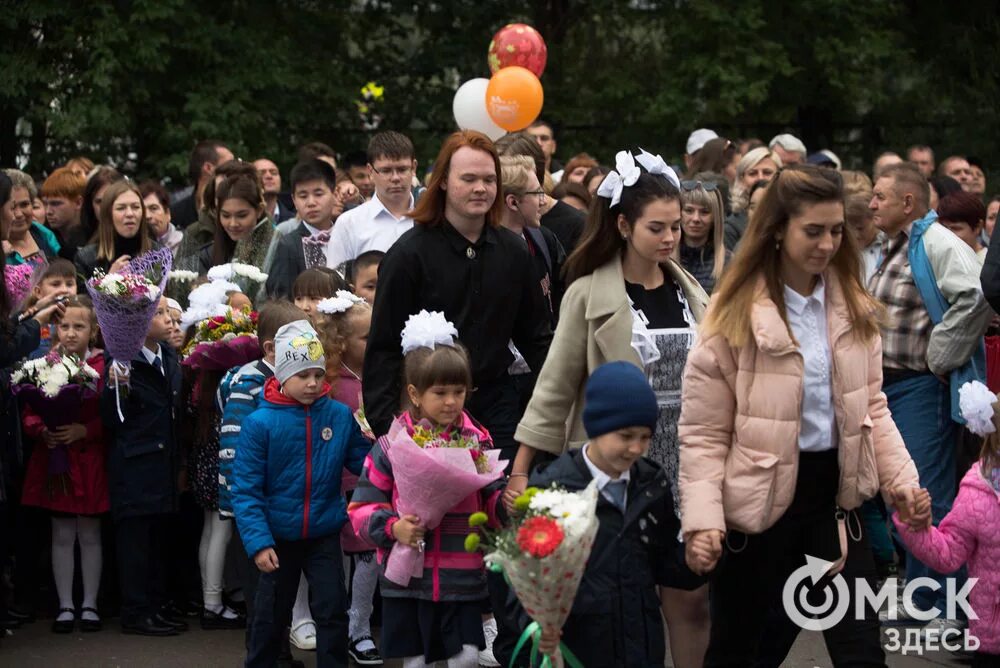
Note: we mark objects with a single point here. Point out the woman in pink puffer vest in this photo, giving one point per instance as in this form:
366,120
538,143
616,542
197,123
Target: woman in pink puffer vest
970,534
784,428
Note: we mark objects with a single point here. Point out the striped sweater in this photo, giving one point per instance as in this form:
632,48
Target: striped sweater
450,573
239,395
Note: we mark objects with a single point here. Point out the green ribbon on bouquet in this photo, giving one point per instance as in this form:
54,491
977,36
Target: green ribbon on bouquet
534,633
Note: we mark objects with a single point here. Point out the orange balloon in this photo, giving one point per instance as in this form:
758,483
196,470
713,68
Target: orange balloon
514,98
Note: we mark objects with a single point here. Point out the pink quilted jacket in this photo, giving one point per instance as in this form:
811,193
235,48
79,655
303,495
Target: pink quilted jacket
970,533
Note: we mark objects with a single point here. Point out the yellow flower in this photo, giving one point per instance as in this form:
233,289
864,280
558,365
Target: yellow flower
472,542
478,519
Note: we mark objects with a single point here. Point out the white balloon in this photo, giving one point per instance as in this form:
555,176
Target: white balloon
469,108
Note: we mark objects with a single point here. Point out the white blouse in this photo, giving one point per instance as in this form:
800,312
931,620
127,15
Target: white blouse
807,318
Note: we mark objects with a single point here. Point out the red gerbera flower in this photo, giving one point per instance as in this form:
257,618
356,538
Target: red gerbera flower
539,536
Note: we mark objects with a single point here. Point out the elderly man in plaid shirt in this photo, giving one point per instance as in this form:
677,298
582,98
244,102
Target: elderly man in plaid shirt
928,280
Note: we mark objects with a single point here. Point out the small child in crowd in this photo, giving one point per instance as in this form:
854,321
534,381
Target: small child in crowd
970,533
143,470
343,326
287,500
176,340
313,286
58,279
615,619
76,502
364,274
437,617
241,393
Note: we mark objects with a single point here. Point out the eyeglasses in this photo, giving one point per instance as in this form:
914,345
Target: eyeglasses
540,194
392,171
708,186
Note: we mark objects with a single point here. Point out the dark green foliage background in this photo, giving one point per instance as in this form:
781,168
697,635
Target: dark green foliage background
108,78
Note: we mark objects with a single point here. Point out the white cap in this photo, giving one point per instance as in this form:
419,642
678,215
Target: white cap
296,348
698,139
789,143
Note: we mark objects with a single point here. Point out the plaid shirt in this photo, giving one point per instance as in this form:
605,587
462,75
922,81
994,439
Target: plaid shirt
907,331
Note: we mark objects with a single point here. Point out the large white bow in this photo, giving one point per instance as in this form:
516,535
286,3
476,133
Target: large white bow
625,174
654,164
975,400
427,330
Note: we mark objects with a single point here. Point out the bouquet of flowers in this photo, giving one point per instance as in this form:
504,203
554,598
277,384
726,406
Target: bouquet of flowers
433,470
55,388
223,341
369,106
543,553
179,284
248,277
125,304
18,280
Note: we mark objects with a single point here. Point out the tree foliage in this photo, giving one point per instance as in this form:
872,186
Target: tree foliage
137,82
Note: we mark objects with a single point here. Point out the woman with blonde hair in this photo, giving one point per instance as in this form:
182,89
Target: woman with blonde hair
784,428
759,164
702,251
122,232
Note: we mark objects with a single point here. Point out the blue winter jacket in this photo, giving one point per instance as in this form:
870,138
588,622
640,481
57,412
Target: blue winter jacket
240,393
286,480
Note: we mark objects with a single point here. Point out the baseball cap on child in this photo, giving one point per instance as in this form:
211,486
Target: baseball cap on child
618,396
697,140
297,348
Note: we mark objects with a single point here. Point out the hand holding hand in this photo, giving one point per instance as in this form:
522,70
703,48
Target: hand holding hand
407,530
920,518
70,433
515,488
49,438
266,560
702,550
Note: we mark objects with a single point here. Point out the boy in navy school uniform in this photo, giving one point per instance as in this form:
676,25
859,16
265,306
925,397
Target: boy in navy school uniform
287,500
143,467
615,619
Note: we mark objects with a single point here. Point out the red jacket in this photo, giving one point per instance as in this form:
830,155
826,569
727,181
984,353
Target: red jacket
88,493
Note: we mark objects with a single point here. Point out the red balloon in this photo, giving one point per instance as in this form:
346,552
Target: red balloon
518,44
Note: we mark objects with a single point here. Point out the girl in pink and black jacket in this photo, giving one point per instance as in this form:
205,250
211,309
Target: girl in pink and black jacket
437,616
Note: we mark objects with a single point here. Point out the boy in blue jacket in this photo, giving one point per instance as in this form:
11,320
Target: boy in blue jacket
615,619
287,500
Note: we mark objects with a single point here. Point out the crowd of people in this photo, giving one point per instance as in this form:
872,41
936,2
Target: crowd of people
757,355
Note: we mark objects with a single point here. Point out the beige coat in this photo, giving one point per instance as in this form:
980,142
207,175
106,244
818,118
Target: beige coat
740,413
595,327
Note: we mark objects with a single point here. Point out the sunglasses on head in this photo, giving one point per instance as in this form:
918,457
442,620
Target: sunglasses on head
708,186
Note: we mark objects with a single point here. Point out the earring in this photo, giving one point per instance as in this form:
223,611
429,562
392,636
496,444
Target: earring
625,237
777,244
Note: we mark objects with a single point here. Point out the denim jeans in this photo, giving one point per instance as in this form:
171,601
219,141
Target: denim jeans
322,562
921,409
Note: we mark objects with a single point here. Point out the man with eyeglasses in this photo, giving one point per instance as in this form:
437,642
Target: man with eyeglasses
376,224
546,138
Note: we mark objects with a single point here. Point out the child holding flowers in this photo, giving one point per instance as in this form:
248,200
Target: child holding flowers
77,504
615,618
436,615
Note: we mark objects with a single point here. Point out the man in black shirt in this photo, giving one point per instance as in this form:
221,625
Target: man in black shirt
205,157
457,259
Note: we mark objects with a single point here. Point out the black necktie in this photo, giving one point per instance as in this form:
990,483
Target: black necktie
158,364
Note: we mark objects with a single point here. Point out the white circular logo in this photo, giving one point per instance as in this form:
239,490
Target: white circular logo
815,617
327,433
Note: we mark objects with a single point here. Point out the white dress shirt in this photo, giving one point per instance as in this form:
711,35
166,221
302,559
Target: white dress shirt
807,318
603,478
370,226
151,357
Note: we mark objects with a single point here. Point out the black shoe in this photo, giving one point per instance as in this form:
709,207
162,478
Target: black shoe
285,658
368,657
149,627
215,621
165,620
20,615
66,625
89,625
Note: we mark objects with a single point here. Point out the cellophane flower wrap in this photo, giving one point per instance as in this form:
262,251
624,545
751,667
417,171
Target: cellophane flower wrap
17,278
544,551
433,470
223,341
125,303
55,388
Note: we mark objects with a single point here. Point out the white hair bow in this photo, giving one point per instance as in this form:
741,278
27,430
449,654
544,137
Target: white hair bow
656,165
340,303
975,400
427,330
625,174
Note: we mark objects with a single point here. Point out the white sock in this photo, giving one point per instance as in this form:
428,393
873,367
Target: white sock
301,613
362,595
91,562
206,537
63,539
414,662
219,533
467,658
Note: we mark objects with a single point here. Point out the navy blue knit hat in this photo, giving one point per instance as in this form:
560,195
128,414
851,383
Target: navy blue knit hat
618,396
